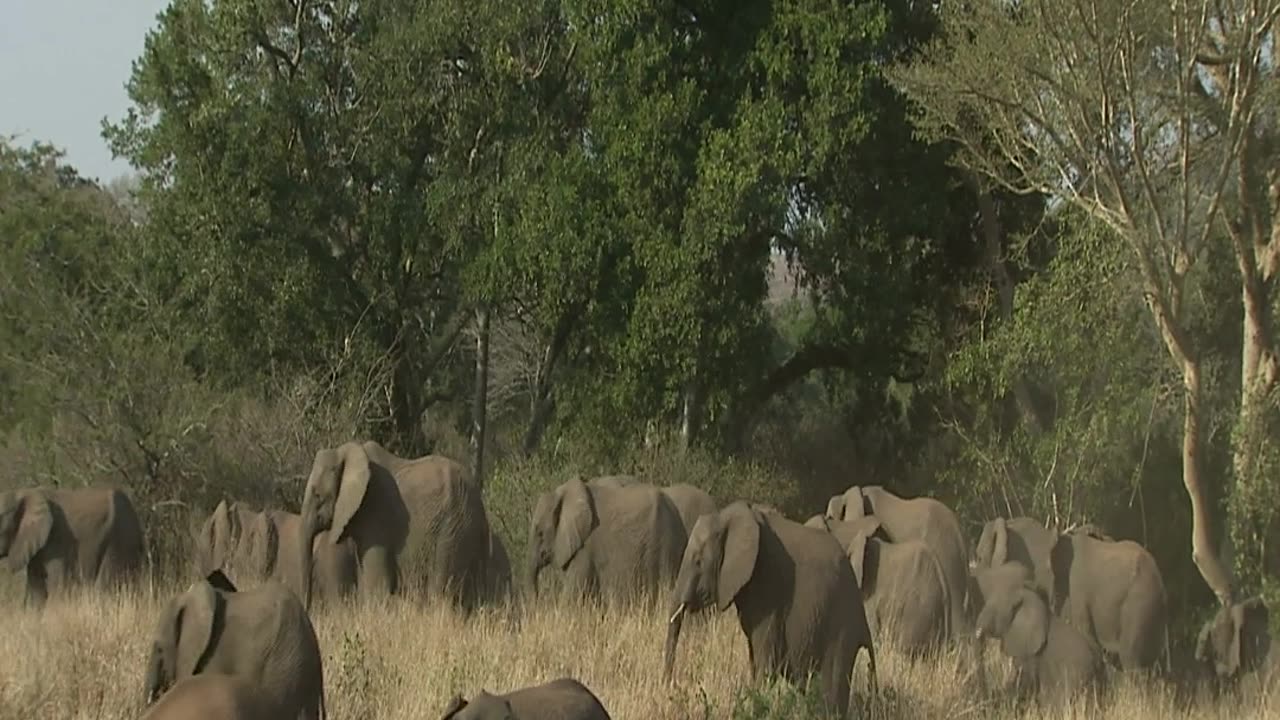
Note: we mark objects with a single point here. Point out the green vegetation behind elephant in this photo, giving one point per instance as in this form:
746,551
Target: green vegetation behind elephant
216,697
562,699
64,537
418,525
797,599
262,634
615,540
920,518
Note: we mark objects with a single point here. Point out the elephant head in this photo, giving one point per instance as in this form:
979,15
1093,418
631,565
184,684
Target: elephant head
335,491
26,521
562,520
484,706
184,635
1236,640
1018,615
848,505
993,545
718,562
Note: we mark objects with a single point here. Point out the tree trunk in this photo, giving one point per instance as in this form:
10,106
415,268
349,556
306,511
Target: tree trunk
1203,550
543,402
480,402
689,414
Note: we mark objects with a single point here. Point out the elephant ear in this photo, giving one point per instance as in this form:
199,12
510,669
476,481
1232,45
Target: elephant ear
191,627
263,546
835,507
33,531
1249,620
855,503
857,552
1029,627
575,521
1000,542
1057,569
356,473
454,706
741,550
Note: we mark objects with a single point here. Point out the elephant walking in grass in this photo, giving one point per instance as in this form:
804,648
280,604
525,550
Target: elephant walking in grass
1236,647
219,546
66,537
1022,540
417,525
263,635
797,599
562,699
921,518
904,589
690,501
622,542
216,697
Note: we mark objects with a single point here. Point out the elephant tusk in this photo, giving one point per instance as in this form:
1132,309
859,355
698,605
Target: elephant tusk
679,611
978,633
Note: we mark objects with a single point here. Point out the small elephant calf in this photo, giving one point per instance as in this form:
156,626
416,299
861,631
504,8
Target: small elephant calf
1052,657
562,699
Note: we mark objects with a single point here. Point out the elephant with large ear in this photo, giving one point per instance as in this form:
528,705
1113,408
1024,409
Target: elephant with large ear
63,537
1052,657
270,551
1022,540
1112,592
606,540
262,634
1236,643
921,518
797,599
216,697
904,590
219,545
418,525
562,699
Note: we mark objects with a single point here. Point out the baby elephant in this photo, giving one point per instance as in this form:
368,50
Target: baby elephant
563,699
215,697
1052,657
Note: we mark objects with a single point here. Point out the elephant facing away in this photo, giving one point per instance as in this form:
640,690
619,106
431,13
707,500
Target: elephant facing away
921,518
262,634
215,697
271,549
1052,658
904,590
1113,593
65,537
691,503
1236,645
621,542
562,699
797,599
418,525
1022,540
219,546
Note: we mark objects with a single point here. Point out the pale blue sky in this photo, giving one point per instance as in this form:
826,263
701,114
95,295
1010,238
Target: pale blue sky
63,66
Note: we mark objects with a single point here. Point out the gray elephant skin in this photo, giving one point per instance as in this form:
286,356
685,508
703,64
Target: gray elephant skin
262,634
1022,540
797,599
251,546
690,501
65,537
921,518
1053,658
215,697
619,542
418,526
1235,645
562,699
903,588
497,568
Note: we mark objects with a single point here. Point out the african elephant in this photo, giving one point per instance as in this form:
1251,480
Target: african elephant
64,537
218,546
620,541
795,592
271,551
262,634
920,518
1236,644
904,590
498,567
562,699
215,697
1113,593
417,525
1022,540
691,503
1053,658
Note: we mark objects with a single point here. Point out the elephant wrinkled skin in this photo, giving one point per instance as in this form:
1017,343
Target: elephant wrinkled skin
262,634
797,599
215,697
418,525
904,590
64,537
562,699
622,541
920,518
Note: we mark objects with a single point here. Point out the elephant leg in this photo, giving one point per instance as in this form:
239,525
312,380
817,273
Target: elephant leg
836,671
56,577
377,573
37,591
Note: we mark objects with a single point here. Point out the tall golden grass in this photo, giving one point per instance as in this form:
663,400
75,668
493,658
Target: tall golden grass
83,657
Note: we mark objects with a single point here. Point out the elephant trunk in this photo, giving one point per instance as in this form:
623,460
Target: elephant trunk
155,680
533,564
306,534
673,638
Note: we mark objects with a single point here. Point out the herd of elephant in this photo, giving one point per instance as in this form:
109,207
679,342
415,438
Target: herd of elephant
873,568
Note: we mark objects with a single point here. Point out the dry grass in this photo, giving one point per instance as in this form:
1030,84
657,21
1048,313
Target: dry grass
83,658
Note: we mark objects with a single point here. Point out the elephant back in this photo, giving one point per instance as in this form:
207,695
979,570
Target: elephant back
639,540
448,533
